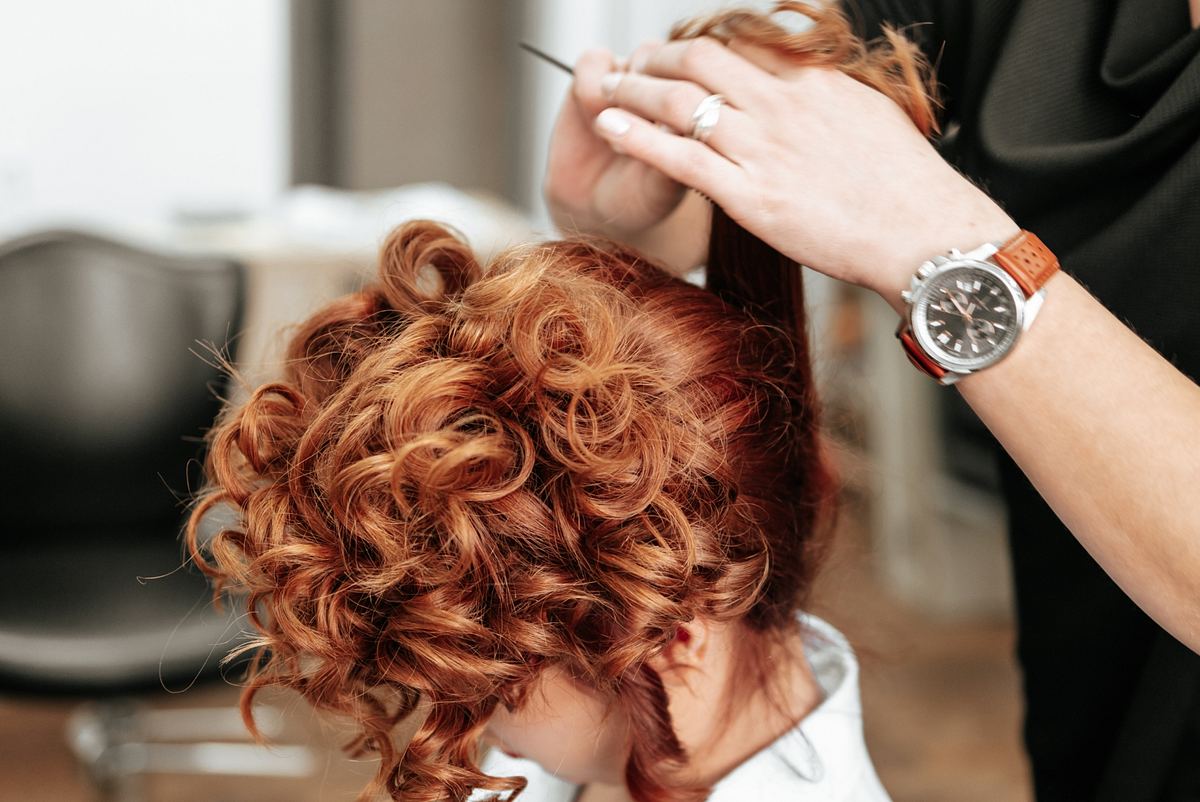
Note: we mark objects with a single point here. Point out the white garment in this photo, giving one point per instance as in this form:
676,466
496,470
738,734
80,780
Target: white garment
824,757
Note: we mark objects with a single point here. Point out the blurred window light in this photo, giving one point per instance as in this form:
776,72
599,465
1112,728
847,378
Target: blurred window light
140,110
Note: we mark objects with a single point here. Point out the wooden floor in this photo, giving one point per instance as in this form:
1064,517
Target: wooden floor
941,700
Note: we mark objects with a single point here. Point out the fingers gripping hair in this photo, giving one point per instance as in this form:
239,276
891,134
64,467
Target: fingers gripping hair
892,65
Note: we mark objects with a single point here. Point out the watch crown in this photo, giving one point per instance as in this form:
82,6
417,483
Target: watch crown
925,270
906,296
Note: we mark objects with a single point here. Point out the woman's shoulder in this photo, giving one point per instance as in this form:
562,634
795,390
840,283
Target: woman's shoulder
825,755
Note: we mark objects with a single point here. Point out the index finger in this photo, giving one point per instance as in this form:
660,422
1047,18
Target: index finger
706,61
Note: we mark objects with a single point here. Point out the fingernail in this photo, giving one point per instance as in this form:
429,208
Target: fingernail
609,83
613,122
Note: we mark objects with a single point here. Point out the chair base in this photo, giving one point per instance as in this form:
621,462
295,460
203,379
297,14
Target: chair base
118,742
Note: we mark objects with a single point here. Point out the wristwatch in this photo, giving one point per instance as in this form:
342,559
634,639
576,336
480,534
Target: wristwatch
966,311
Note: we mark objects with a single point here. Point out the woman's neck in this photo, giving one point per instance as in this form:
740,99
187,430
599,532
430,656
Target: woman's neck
717,744
1194,7
717,747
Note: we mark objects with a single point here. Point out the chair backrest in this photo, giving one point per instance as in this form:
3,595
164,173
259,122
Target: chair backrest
104,394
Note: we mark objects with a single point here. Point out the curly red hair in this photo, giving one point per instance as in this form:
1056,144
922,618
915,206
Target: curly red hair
467,475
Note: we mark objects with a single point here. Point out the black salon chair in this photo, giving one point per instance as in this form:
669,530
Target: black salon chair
105,393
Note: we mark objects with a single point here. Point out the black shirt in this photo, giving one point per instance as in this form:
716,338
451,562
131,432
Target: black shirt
1082,119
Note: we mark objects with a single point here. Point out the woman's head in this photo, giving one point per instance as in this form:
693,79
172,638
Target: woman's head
490,497
469,478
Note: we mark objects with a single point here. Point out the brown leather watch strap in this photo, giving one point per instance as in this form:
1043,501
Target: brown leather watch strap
1028,260
914,353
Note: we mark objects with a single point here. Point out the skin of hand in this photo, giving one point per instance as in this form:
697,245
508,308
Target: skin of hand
835,176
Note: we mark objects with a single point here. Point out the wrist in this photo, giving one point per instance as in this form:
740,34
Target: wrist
964,224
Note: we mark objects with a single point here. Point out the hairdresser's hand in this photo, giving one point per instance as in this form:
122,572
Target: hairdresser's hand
823,168
592,188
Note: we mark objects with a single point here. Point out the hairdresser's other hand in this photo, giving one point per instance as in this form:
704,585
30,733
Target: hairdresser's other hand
592,187
823,168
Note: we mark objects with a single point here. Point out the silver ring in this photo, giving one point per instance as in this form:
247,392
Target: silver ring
704,118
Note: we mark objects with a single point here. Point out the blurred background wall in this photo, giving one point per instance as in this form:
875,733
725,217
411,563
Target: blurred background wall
388,93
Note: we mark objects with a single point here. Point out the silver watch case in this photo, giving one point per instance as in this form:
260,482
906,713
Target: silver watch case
1024,309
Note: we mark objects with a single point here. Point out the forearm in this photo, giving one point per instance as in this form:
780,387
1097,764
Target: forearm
1106,430
1109,433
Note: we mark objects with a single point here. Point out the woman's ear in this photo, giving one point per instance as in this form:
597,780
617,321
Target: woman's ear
687,650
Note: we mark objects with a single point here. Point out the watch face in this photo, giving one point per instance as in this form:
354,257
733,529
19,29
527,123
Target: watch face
967,316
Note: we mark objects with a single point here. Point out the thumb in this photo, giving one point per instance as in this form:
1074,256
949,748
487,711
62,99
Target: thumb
590,69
